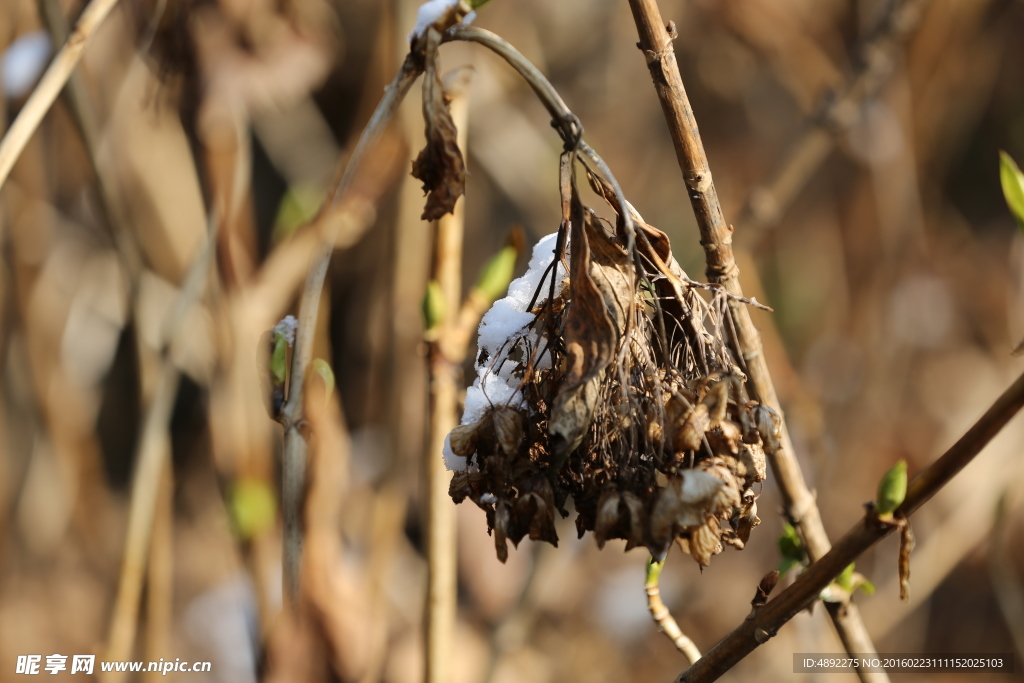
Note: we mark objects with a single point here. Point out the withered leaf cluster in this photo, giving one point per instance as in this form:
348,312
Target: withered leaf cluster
630,401
440,164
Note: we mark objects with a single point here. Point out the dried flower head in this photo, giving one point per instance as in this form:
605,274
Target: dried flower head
605,377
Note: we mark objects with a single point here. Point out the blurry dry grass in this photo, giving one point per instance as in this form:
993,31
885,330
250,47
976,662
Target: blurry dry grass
896,276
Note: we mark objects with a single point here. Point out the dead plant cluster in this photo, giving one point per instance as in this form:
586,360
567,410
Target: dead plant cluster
628,399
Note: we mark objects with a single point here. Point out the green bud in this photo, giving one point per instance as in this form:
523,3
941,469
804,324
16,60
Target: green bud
433,305
323,368
1013,187
279,359
496,275
252,507
892,490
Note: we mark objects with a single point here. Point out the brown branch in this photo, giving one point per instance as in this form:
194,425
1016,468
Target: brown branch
766,622
57,74
716,238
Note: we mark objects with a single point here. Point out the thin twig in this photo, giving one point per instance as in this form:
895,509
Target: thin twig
716,238
444,370
866,533
662,617
717,288
52,82
293,478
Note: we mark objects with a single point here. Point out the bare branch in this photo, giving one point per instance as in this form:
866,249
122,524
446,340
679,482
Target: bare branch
807,587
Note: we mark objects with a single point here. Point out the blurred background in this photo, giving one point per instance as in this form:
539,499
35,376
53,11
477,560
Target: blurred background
854,144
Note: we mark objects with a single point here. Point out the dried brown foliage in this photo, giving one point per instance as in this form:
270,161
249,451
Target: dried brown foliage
634,406
439,165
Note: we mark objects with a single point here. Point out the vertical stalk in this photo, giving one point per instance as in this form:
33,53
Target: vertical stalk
446,270
716,238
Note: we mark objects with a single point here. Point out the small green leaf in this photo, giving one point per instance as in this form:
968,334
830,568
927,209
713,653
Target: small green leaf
252,507
298,206
496,275
433,305
866,586
323,368
1013,187
477,3
892,490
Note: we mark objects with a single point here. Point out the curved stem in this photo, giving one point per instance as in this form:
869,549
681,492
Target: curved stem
293,480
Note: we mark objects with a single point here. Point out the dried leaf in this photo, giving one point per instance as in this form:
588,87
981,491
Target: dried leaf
725,437
769,426
439,165
463,439
635,508
689,434
535,512
589,335
607,517
717,401
703,542
508,425
500,525
724,499
746,525
753,460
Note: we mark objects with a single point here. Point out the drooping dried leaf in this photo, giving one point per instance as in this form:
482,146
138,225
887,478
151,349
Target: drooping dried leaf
607,517
440,164
589,337
746,524
702,542
535,511
508,425
502,517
